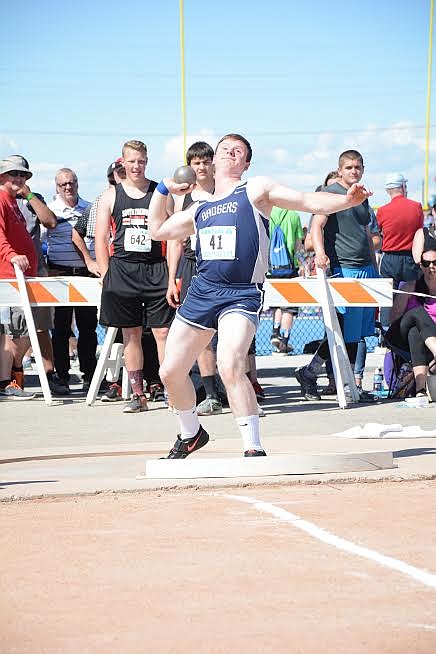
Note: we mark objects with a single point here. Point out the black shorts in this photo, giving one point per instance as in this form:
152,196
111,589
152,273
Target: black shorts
188,270
134,294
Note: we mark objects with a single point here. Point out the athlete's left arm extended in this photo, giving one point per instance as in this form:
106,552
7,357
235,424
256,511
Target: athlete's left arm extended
266,193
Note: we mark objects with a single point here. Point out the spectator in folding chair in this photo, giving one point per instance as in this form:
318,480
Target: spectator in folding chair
413,321
425,236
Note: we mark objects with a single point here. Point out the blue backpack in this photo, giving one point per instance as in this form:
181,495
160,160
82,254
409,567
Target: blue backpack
280,261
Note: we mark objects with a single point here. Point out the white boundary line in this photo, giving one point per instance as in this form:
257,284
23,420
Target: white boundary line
424,577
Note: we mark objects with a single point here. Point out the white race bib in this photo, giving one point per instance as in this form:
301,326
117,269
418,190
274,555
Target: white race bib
217,242
136,239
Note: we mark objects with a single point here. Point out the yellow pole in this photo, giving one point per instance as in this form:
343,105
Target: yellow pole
182,71
427,120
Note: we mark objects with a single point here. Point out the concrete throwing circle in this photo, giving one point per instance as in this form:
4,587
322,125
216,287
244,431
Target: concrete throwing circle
284,464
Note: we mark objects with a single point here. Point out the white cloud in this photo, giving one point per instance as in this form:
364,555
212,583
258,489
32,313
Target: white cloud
173,154
280,156
7,145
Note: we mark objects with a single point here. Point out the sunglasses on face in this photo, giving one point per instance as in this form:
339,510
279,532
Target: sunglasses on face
17,173
426,264
65,184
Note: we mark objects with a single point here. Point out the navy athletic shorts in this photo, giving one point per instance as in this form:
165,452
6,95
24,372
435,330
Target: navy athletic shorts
207,302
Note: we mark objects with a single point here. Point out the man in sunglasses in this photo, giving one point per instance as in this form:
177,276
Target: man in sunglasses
65,259
16,247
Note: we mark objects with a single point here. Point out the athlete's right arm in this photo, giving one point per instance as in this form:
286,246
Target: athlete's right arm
102,229
180,224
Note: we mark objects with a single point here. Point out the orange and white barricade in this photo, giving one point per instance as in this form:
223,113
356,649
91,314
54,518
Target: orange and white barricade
49,291
330,293
86,291
345,292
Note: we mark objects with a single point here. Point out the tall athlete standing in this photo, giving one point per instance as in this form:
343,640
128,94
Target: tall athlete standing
135,277
226,294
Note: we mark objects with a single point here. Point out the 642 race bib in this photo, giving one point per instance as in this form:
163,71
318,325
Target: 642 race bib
137,239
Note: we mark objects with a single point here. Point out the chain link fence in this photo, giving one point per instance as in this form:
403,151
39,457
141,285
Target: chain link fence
308,326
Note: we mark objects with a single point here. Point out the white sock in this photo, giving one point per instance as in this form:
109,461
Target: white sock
249,428
189,423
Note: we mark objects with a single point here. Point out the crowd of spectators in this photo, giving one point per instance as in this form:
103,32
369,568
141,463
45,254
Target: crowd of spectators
145,281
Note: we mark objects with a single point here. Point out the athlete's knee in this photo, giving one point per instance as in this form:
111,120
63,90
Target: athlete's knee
230,368
168,372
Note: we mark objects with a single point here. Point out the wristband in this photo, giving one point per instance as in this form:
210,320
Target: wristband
30,196
162,188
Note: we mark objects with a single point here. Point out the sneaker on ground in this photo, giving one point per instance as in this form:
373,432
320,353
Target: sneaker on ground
285,348
364,396
275,340
182,448
308,385
249,453
58,386
15,392
104,386
113,394
157,392
260,393
210,406
137,404
330,389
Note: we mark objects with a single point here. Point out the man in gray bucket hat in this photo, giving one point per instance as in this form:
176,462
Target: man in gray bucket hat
16,247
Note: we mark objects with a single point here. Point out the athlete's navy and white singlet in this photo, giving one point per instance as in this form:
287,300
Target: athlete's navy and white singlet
232,259
232,240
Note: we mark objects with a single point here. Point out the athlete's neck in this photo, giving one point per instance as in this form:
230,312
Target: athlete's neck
135,188
225,185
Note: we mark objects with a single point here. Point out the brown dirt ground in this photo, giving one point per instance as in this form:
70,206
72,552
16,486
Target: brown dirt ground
169,572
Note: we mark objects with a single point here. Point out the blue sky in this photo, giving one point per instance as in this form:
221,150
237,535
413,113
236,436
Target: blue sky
302,81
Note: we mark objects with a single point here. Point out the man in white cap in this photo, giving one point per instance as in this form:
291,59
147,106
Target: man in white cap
16,247
398,221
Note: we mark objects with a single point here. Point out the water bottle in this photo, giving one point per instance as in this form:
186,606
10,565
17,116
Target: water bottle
378,382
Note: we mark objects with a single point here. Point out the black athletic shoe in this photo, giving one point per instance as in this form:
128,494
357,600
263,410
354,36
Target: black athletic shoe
308,385
157,392
254,453
182,449
275,339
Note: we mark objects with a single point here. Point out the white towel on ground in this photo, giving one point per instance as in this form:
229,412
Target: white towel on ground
378,430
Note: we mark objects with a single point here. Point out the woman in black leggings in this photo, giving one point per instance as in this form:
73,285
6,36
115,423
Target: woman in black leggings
413,326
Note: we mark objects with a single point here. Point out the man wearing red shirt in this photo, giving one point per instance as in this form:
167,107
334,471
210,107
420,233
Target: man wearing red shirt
16,247
398,221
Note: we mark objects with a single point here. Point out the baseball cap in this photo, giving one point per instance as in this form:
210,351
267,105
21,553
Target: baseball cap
394,180
15,162
115,165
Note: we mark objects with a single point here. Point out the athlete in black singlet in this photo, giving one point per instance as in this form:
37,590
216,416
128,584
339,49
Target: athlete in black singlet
135,277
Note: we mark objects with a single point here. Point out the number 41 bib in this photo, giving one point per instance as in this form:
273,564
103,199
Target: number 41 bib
218,242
